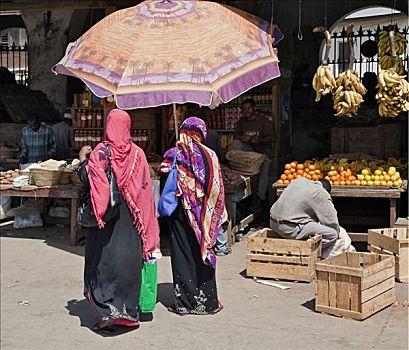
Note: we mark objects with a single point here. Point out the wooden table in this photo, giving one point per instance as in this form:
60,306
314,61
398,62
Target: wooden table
232,197
66,192
363,192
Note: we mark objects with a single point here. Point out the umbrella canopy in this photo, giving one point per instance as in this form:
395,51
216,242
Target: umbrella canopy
163,52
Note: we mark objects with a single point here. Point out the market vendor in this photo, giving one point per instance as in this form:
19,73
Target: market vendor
254,133
63,137
305,208
37,141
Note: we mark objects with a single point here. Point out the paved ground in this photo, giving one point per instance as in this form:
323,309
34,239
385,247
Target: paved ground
47,274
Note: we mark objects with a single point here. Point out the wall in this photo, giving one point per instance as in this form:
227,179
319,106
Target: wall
47,38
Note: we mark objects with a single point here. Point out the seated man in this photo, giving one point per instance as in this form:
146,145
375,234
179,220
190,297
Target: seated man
37,141
305,208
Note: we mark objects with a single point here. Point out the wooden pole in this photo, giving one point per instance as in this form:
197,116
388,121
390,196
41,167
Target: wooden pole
176,122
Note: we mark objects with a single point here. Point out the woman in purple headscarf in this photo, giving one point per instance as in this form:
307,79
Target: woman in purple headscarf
195,224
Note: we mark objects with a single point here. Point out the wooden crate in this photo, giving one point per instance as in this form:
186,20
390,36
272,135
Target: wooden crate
392,241
286,259
355,285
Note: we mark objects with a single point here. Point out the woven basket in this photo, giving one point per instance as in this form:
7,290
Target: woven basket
65,178
43,178
75,179
246,163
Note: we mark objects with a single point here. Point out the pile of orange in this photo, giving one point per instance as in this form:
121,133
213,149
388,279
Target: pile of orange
341,178
295,170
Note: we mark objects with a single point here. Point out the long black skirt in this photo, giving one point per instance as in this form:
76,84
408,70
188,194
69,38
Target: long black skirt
194,282
113,266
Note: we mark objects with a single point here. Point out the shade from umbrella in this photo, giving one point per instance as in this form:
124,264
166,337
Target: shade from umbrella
163,52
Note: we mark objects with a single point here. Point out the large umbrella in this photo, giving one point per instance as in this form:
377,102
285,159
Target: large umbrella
164,52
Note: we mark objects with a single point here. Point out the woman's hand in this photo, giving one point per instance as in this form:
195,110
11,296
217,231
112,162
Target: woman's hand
84,152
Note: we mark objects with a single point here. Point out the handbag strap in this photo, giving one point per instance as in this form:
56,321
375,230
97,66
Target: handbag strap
108,155
175,155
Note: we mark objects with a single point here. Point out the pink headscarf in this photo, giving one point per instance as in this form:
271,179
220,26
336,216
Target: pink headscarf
132,175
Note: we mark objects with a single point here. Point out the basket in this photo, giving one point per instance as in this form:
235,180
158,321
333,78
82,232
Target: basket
65,178
246,163
43,178
75,179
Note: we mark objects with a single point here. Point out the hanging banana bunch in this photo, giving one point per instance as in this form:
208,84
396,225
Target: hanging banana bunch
393,94
385,43
349,92
323,82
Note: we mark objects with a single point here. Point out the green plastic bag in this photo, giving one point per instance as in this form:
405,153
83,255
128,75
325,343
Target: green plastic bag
147,297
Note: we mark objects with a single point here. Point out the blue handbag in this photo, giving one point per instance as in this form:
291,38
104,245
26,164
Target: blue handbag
168,201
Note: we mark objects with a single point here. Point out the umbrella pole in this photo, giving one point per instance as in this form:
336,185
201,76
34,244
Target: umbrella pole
176,121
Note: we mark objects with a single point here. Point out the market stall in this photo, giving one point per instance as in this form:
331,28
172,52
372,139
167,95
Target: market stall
391,194
60,191
375,179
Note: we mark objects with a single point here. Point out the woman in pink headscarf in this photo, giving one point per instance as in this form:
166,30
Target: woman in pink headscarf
115,250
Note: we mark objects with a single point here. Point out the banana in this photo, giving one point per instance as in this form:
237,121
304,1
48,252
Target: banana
393,93
348,95
323,82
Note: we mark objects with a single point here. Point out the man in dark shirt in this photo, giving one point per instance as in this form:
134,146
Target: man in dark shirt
253,132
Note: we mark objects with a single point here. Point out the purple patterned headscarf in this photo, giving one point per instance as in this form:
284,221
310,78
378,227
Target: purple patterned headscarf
200,185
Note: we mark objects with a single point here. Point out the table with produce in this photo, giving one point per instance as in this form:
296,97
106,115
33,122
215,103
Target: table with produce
355,179
49,179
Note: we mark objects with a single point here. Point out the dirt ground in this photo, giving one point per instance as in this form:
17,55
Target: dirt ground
42,307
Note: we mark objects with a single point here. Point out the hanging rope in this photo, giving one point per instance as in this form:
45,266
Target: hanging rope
272,13
393,11
299,35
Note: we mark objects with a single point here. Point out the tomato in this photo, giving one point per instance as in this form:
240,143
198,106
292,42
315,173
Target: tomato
300,172
280,182
287,172
311,167
290,177
287,166
283,177
292,170
300,167
293,164
286,182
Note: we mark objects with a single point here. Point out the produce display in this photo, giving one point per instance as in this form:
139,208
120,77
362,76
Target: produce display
393,93
393,88
232,179
343,172
349,94
7,177
389,41
324,82
310,170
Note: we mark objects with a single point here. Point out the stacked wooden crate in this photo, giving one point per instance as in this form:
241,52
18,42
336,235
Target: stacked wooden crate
355,285
392,241
286,259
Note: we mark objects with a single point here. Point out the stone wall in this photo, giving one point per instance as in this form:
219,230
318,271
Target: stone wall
47,39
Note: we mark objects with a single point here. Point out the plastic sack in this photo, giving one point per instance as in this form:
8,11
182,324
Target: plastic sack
26,217
5,205
60,212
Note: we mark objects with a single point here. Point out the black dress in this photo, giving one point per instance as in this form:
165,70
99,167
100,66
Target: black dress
113,266
194,282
